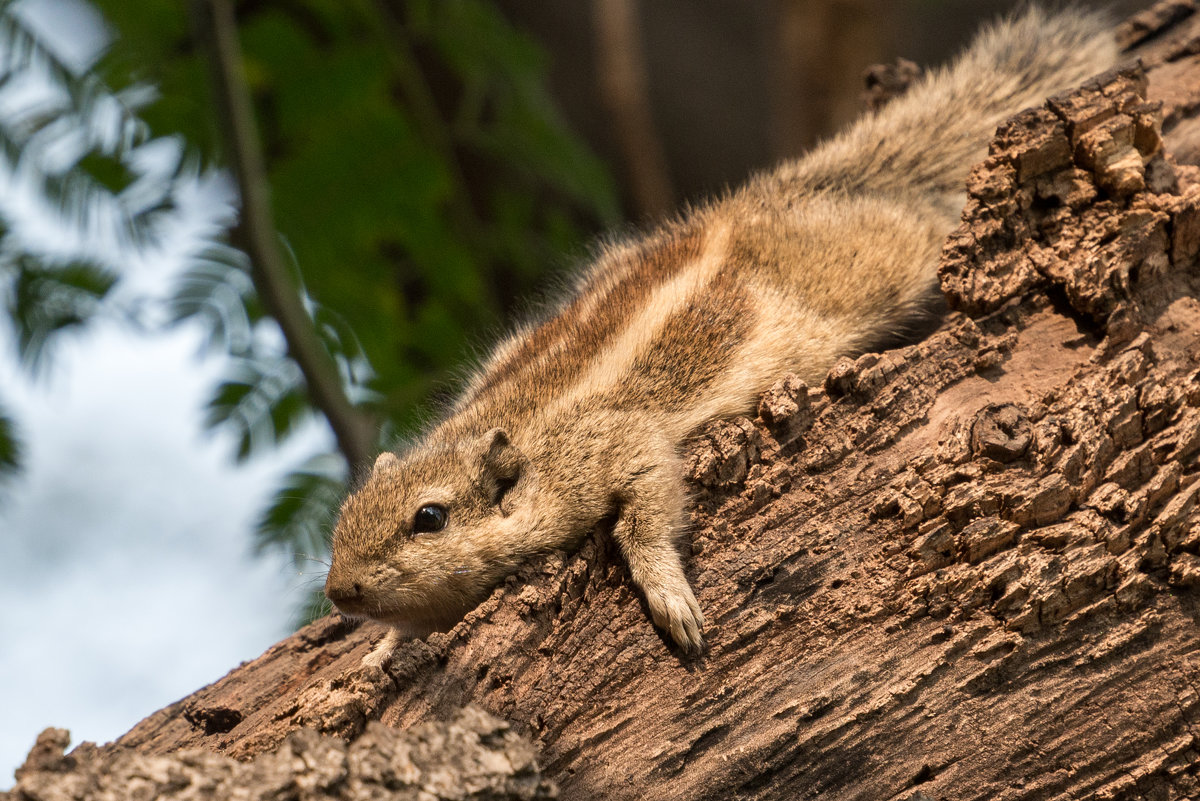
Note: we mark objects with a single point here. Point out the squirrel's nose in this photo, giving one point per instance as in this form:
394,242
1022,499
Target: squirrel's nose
343,593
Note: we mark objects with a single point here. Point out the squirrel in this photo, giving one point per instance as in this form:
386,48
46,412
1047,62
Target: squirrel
580,418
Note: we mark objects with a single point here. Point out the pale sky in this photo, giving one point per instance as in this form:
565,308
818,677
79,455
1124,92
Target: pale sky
125,567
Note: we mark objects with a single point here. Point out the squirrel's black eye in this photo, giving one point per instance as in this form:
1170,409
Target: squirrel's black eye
429,518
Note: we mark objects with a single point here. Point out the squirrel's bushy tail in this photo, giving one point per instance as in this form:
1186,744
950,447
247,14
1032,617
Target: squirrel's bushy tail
928,139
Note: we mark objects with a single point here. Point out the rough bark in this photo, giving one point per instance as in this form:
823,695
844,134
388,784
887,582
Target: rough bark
966,568
473,755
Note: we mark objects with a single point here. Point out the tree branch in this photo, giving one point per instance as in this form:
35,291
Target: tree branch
216,30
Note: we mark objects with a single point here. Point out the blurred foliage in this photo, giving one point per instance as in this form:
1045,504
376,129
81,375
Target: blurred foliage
46,300
78,149
421,178
419,171
310,494
10,446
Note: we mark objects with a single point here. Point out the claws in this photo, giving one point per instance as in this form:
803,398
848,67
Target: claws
677,612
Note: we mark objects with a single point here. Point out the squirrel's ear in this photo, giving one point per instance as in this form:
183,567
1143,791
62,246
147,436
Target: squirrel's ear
499,462
384,462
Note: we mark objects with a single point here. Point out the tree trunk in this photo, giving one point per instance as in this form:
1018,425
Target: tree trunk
966,568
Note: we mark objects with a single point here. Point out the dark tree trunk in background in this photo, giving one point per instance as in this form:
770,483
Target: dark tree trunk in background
822,48
624,92
968,568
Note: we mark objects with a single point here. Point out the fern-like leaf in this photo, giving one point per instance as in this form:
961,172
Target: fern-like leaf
301,513
44,301
217,289
10,447
261,401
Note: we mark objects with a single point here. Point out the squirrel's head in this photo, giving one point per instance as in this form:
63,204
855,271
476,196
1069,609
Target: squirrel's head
430,533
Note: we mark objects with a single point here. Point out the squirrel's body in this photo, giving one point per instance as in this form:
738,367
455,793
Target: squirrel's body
581,417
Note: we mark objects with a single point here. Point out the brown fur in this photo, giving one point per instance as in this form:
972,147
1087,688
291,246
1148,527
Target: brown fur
580,418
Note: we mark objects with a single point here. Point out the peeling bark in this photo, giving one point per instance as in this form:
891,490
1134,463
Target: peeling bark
966,568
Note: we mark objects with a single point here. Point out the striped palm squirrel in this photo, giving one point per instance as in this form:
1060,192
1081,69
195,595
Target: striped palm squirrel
580,418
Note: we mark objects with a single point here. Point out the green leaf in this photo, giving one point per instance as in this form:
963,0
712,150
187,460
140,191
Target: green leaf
10,447
107,171
300,516
261,402
342,343
217,289
45,301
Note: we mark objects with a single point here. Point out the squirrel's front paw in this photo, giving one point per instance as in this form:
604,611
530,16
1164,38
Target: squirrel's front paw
675,609
382,653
